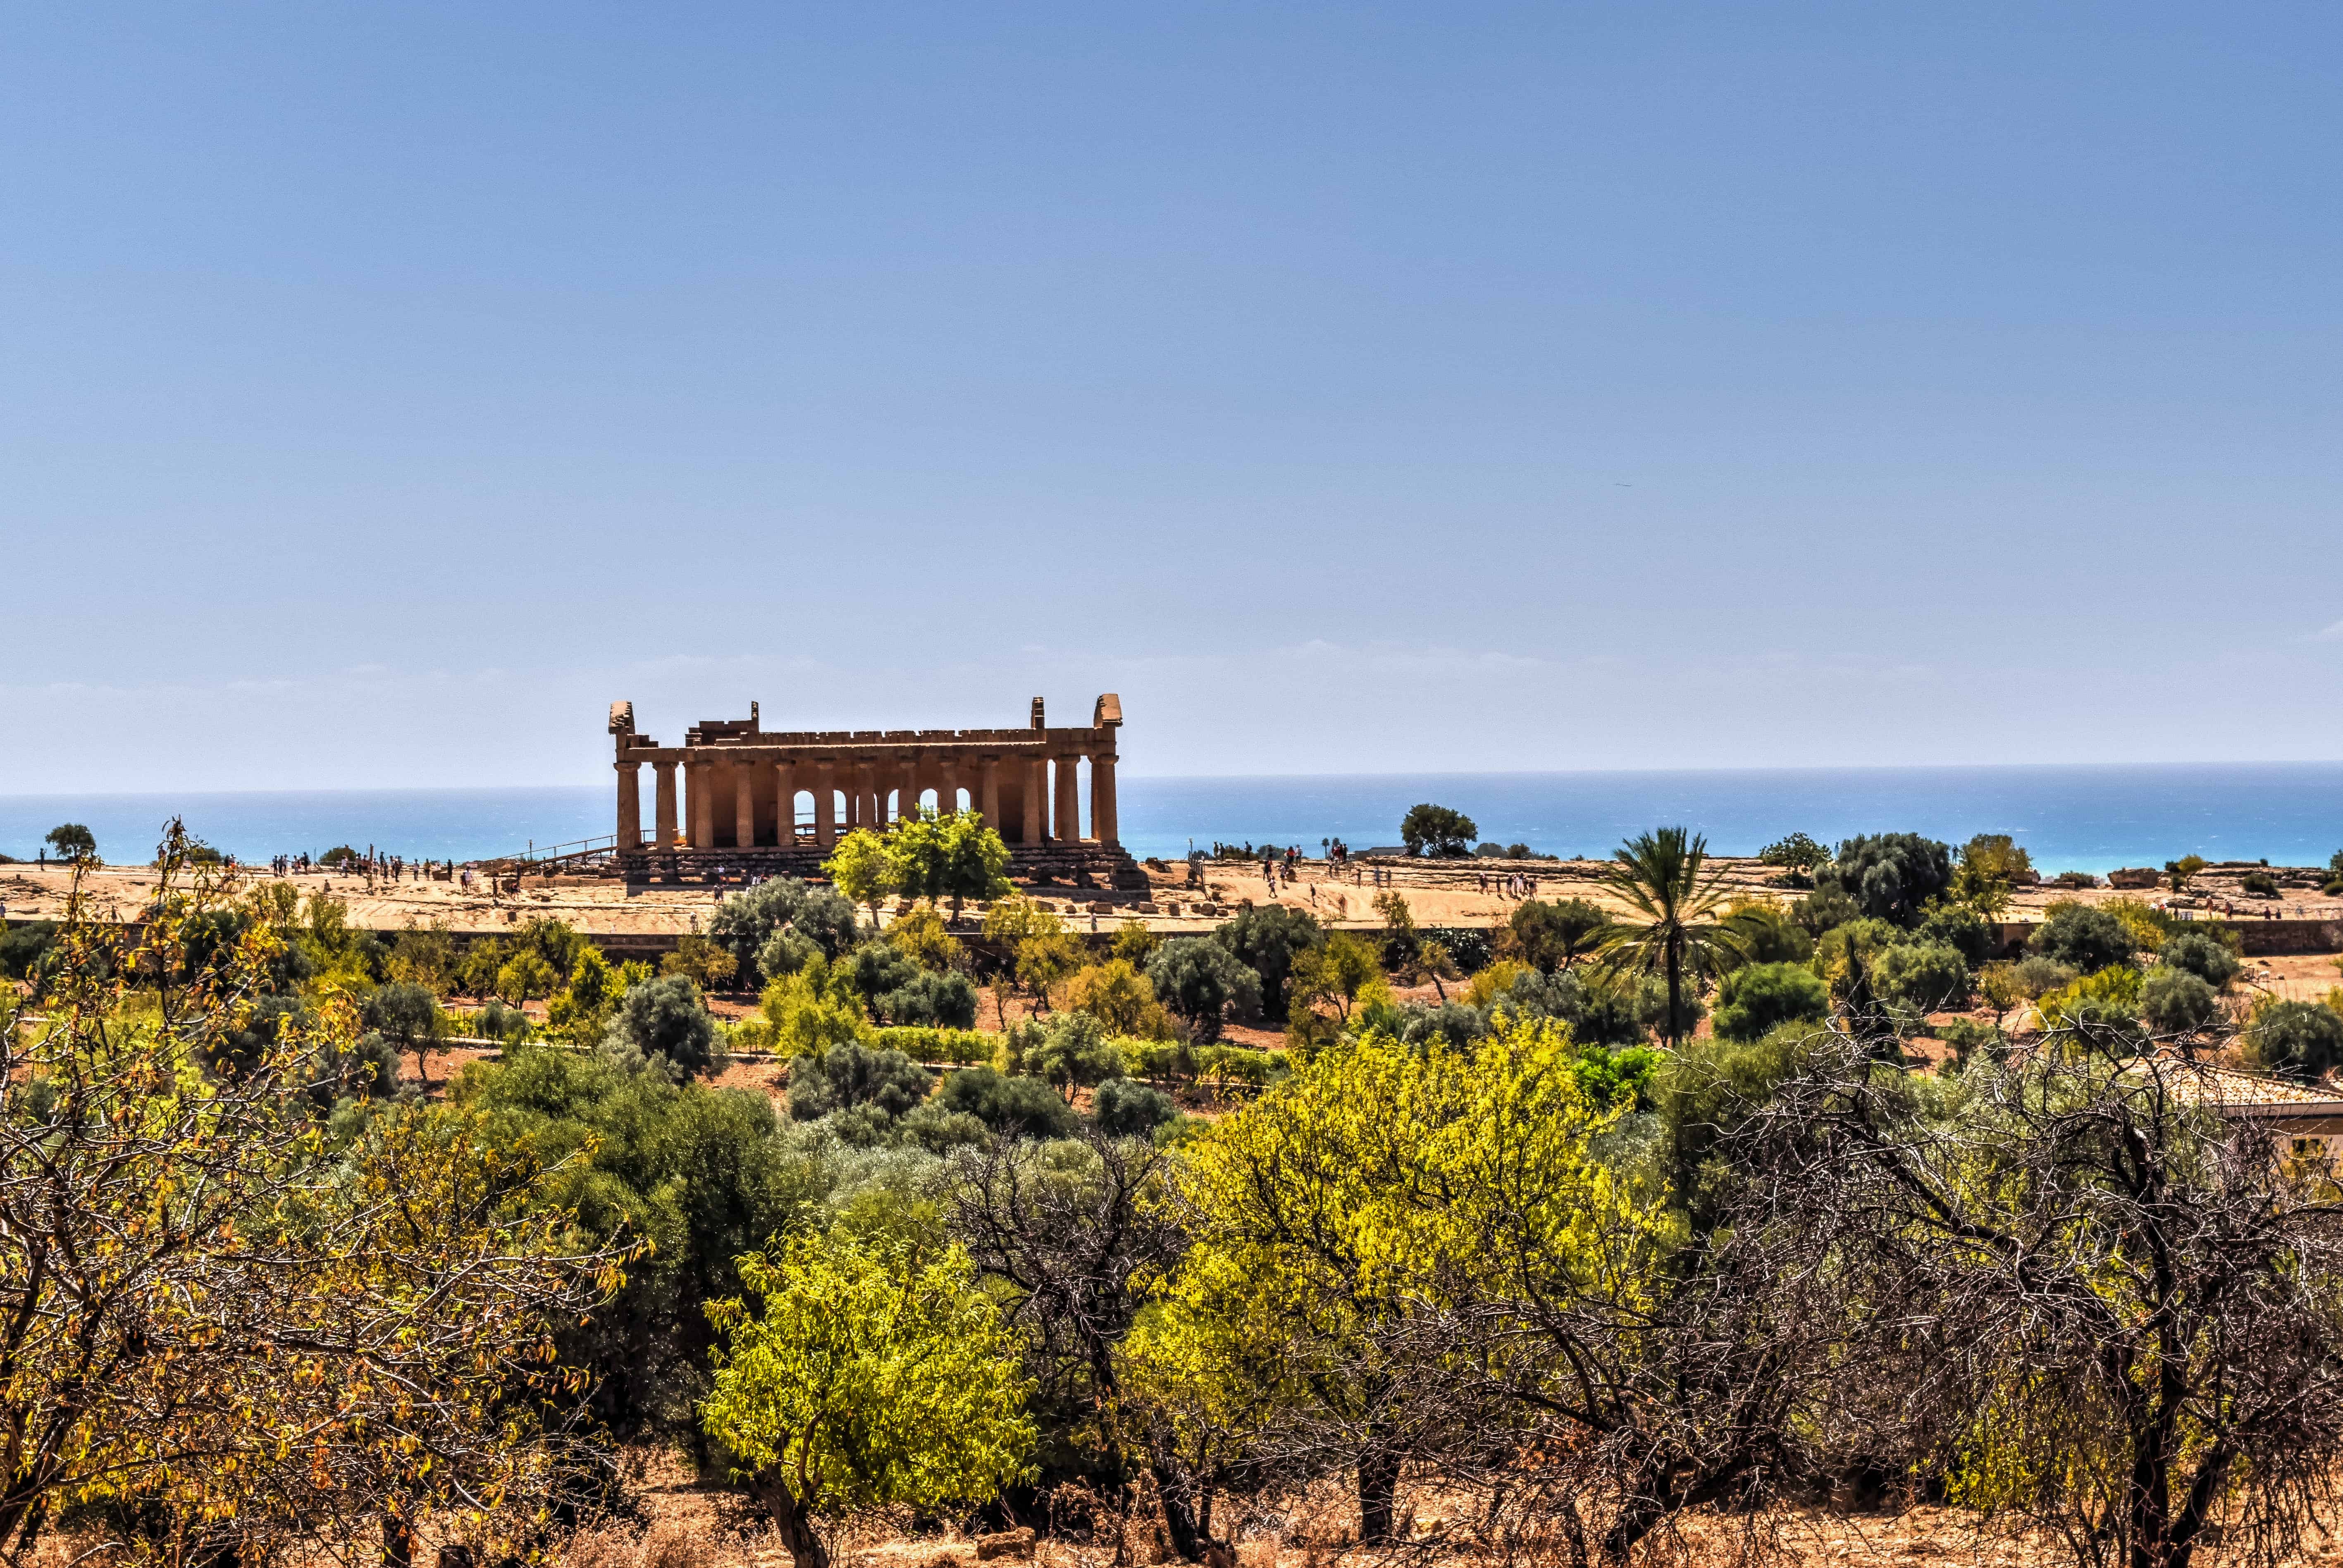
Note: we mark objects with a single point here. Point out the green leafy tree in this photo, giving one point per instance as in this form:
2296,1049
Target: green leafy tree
813,1009
1266,938
1437,830
1890,875
408,1017
862,1378
745,921
702,962
1757,997
665,1021
2302,1039
863,868
1010,1107
1133,940
954,856
1070,1051
582,1007
2175,1001
1797,854
2179,873
73,842
2208,958
1042,950
847,1076
1203,982
923,935
527,977
1126,1108
1990,865
1922,976
1550,935
2083,938
1767,933
1333,976
1959,925
1676,930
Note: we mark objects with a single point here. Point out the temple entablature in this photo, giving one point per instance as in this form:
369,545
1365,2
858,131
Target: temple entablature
734,784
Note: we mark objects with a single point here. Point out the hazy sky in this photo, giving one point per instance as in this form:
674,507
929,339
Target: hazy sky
384,390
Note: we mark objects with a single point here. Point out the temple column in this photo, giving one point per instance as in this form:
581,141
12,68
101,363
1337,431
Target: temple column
700,792
947,787
630,806
785,804
663,804
744,805
866,796
1037,802
906,794
989,792
825,807
1102,822
1068,805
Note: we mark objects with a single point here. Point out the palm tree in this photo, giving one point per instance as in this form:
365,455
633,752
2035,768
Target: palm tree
1679,932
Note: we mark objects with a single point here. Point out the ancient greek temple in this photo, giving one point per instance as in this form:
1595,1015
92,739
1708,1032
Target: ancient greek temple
735,798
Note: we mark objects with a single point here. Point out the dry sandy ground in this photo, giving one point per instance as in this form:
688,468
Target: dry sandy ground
1466,893
686,1525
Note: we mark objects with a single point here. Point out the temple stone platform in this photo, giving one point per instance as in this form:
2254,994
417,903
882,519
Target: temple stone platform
1073,865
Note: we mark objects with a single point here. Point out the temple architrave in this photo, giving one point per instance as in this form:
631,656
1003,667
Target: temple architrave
736,800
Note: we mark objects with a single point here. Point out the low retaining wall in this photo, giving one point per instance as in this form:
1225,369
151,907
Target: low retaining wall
2256,939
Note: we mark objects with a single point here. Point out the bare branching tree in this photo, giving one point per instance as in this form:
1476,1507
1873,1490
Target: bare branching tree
1071,1227
2103,1308
218,1313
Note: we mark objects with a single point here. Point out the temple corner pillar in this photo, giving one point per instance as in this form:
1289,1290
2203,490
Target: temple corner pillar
630,807
1103,825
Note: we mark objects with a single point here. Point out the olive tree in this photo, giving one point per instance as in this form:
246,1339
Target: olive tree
1201,980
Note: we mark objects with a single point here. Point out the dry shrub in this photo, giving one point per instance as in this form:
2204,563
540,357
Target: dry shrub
600,1546
668,1545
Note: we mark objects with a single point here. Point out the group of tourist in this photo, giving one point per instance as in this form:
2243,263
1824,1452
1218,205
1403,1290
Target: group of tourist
1518,884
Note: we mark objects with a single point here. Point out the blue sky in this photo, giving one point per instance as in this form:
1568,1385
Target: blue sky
384,390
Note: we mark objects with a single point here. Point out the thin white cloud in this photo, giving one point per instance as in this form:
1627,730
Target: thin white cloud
2332,633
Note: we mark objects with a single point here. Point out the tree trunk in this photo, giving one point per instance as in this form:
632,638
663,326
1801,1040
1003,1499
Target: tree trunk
793,1522
1174,1490
1675,992
398,1542
1378,1484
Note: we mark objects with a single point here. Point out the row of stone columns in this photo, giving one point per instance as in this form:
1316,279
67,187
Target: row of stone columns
860,783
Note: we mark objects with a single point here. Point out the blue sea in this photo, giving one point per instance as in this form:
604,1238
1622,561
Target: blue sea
2090,819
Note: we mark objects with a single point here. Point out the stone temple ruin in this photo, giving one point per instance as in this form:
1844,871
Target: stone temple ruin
735,800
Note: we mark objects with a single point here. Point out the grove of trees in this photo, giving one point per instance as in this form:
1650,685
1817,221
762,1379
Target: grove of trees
1647,1212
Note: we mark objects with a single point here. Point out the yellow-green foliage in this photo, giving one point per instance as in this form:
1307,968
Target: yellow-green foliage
1492,982
2147,928
861,868
868,1376
922,936
811,1011
1379,1180
1120,996
584,1005
2116,989
924,1042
